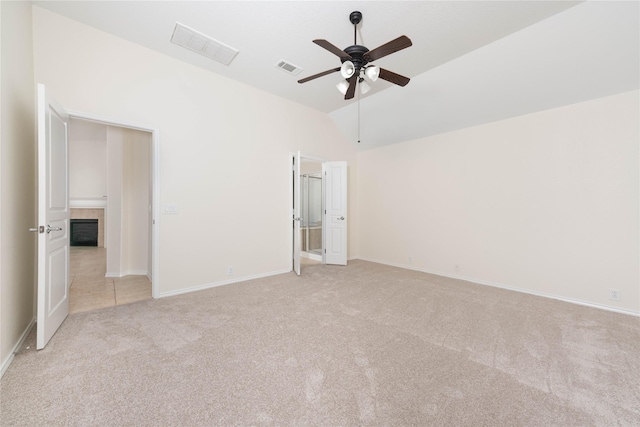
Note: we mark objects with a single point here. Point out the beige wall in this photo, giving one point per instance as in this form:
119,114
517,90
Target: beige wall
135,201
18,177
114,201
87,160
223,152
546,203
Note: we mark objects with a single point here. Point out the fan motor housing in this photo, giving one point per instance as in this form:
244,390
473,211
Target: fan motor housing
357,56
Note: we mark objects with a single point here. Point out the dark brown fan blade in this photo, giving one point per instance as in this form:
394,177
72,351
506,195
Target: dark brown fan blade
400,43
352,87
333,49
315,76
392,77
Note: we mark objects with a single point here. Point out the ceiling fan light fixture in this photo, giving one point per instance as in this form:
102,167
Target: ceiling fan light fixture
347,69
364,87
372,72
343,86
355,58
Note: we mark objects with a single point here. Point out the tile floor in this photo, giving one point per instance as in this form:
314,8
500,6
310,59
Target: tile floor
308,262
90,290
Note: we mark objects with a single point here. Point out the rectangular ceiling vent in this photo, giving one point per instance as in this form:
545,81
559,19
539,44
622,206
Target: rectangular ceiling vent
288,67
202,44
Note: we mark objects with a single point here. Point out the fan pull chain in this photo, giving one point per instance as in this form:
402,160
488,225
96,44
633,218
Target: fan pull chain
358,115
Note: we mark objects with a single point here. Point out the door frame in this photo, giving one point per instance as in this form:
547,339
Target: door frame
292,156
155,184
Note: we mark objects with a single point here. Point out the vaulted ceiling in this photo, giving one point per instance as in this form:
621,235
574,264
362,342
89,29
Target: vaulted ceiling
471,61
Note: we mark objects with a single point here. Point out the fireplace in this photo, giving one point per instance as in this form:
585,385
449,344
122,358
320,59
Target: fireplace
84,232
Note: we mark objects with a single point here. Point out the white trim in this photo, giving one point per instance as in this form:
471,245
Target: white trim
309,255
291,156
14,350
222,283
74,114
312,158
510,288
88,203
155,154
128,273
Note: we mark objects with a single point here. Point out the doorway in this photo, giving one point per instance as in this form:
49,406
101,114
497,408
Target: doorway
311,210
319,211
110,182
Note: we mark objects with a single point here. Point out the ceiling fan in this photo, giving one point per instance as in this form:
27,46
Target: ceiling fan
355,62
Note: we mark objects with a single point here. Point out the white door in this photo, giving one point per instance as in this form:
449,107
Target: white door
335,229
296,213
53,217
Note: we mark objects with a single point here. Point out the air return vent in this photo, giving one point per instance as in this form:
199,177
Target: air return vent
204,45
288,67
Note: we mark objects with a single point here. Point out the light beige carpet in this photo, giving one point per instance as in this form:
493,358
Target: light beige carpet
365,344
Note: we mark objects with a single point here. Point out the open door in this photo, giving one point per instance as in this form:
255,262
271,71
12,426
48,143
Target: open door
335,228
296,213
53,217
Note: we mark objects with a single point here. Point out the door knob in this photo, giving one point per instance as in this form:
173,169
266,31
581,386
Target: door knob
341,218
50,229
37,229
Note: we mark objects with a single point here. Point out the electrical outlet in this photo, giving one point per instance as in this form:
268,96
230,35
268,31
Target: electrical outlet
230,270
614,294
410,260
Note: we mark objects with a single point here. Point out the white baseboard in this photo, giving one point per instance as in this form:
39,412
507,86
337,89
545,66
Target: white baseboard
135,273
9,358
308,255
221,283
510,288
128,273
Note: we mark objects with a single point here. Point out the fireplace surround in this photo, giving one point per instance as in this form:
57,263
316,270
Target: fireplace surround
84,232
92,213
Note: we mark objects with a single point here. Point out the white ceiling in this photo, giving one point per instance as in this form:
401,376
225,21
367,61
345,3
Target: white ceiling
471,61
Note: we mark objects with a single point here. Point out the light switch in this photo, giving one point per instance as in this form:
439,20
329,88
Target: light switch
170,208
